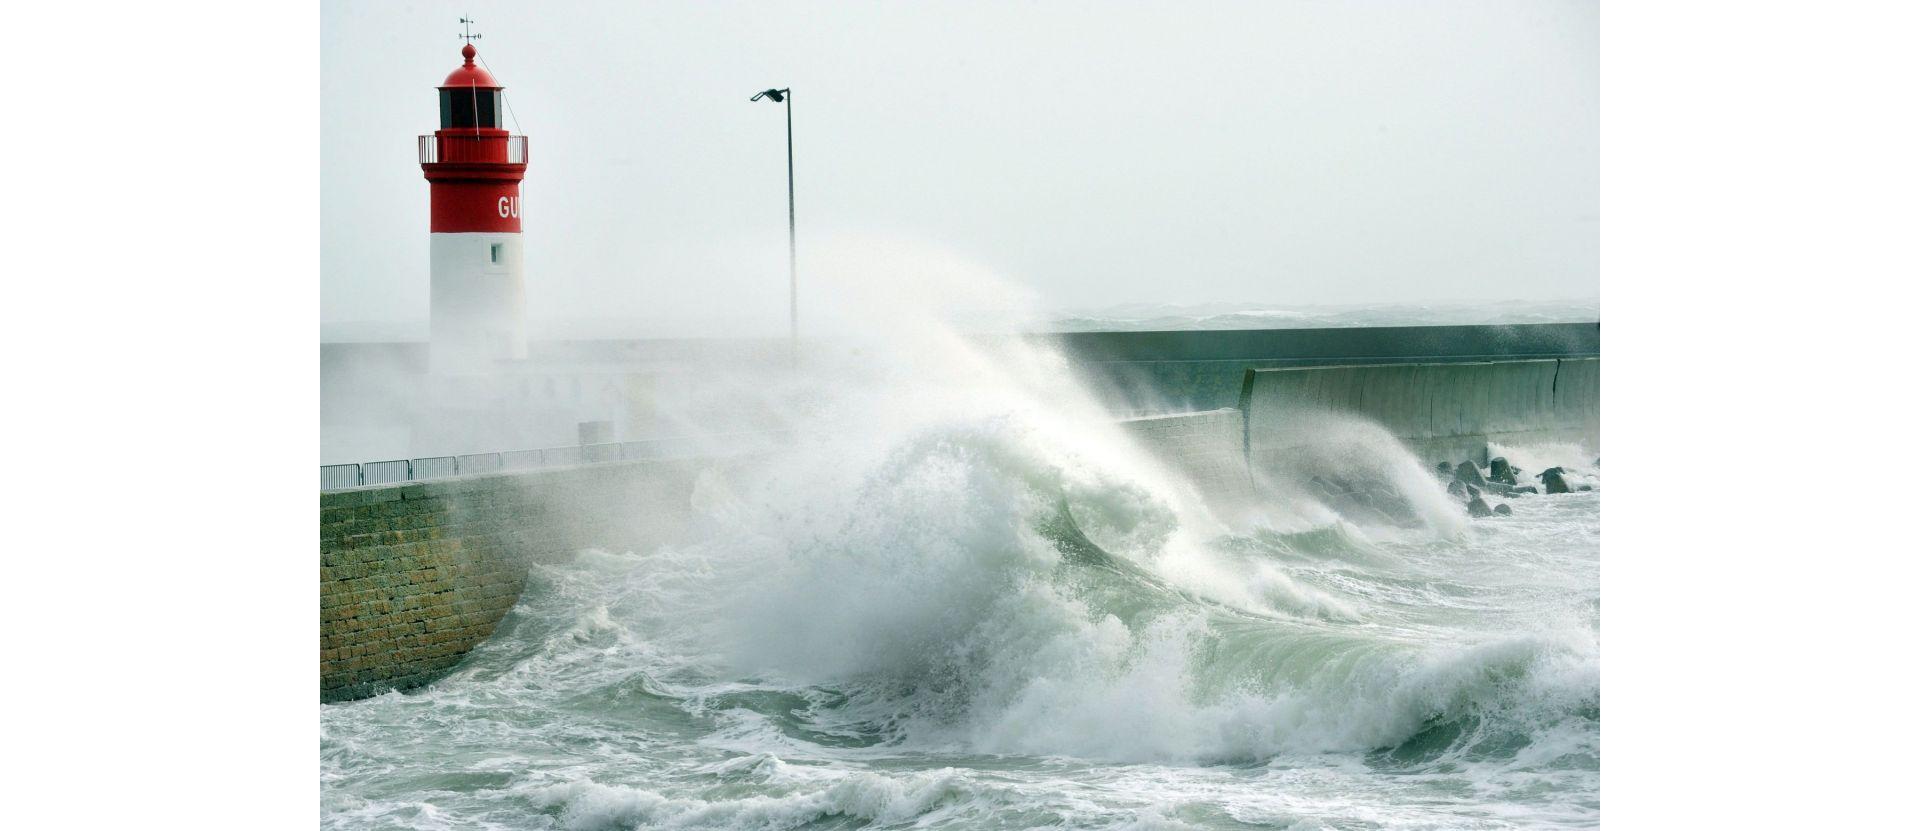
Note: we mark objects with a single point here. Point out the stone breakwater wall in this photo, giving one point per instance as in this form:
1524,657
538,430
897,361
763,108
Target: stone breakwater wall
413,576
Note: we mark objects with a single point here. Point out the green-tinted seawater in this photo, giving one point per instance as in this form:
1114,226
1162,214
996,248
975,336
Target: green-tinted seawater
917,640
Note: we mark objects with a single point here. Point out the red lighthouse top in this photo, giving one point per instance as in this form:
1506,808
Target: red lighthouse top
473,163
470,99
469,76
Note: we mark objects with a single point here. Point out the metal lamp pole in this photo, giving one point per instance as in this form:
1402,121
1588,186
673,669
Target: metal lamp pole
785,96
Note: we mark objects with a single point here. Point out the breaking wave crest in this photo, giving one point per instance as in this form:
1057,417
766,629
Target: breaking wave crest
970,592
864,639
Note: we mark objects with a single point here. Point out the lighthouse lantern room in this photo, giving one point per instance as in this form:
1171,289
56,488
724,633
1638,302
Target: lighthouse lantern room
473,167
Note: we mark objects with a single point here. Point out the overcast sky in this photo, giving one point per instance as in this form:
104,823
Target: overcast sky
1279,153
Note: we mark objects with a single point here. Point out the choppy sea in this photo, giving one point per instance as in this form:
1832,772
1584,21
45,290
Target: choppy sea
988,609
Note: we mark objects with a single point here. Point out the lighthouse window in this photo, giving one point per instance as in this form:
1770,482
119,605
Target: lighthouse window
496,252
469,108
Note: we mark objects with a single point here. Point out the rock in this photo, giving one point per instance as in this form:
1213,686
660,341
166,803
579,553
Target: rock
1473,492
1499,471
1554,480
1523,489
1477,508
1468,473
1502,509
1584,488
1445,469
1456,488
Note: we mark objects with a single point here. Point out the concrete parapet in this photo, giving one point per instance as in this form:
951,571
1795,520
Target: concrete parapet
1202,369
1205,447
1440,411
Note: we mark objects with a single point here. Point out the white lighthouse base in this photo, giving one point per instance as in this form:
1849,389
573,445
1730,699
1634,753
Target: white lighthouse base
479,311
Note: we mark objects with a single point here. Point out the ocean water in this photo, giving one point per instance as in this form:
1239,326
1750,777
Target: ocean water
999,318
986,623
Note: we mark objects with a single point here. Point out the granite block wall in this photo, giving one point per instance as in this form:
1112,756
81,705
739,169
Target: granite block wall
414,575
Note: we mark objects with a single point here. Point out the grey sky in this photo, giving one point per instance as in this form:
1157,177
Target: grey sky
1098,153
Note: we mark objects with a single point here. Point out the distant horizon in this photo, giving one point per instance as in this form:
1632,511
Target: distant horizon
1118,317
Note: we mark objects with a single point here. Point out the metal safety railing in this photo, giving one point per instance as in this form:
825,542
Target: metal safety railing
382,473
390,471
335,477
435,149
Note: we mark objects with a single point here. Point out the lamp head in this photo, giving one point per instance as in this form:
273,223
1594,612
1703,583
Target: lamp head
777,95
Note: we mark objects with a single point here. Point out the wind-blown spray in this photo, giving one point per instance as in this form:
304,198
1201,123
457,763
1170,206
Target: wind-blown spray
965,599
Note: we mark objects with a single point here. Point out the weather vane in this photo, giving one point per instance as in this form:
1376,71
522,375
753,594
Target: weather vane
466,29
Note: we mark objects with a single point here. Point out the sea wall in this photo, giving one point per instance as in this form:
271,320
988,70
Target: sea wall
1184,371
1442,412
412,576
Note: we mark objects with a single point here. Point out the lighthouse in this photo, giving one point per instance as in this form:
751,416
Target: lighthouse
473,167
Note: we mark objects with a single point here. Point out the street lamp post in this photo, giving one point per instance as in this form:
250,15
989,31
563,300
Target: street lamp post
785,96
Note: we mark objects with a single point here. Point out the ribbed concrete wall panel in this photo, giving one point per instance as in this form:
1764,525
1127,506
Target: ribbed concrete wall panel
1577,397
1443,411
1205,447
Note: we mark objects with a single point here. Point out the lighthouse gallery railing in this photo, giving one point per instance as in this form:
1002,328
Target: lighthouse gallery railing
436,149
